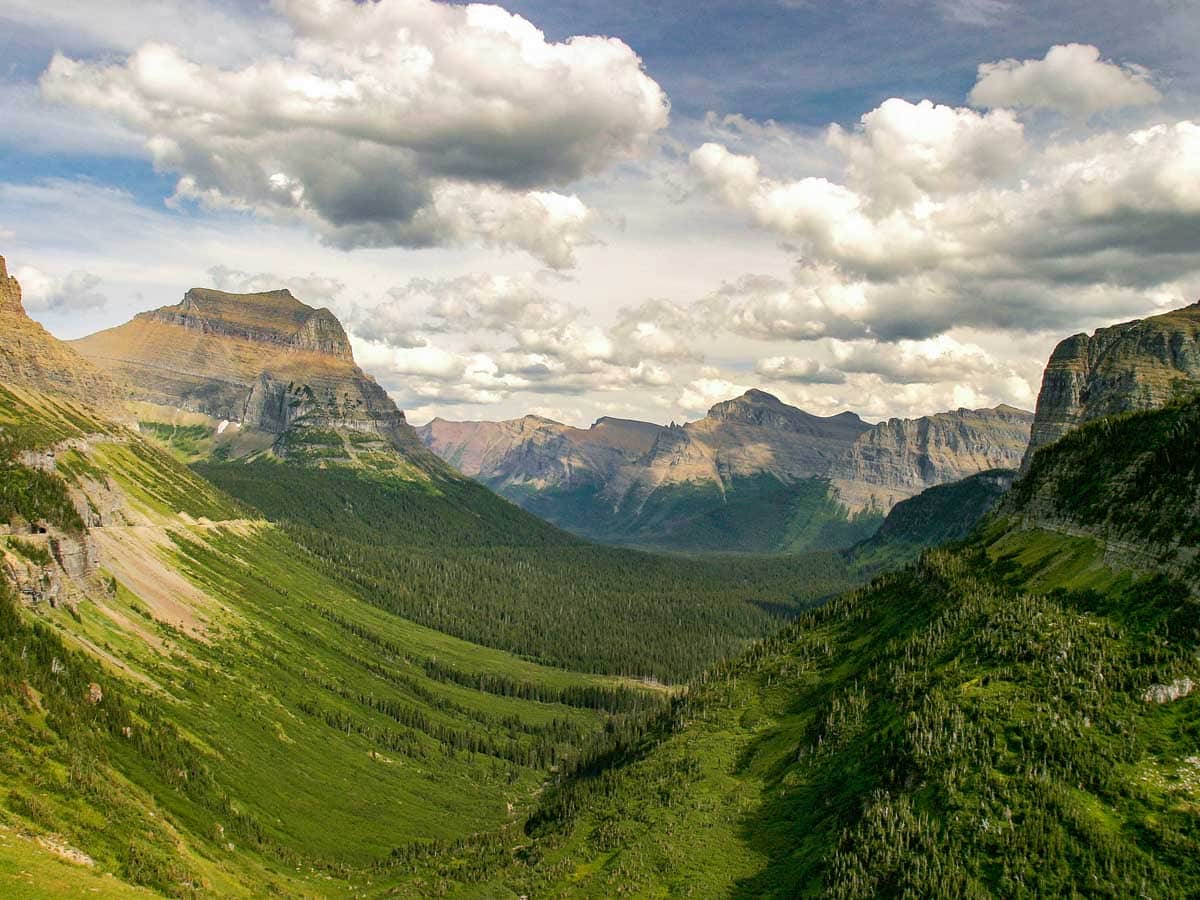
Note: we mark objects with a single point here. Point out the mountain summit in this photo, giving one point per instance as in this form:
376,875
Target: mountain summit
759,408
265,362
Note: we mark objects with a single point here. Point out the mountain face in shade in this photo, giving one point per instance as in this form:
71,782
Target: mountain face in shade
902,457
539,452
265,362
32,357
1139,365
754,475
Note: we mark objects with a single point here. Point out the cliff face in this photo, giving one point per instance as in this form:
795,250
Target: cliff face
265,361
900,458
1137,365
1132,483
32,357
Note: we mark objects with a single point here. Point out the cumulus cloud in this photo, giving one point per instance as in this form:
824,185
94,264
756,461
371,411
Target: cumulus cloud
902,151
313,289
414,124
798,371
73,292
655,329
1070,78
699,395
960,222
523,339
940,359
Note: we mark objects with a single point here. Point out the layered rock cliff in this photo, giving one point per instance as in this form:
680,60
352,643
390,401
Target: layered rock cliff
900,458
1138,365
31,357
746,437
265,361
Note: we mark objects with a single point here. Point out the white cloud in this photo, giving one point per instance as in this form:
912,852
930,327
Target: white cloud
1070,78
903,151
929,229
700,395
520,339
413,124
74,292
313,289
798,371
940,359
655,329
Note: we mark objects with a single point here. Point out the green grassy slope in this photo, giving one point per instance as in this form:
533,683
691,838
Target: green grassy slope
298,742
980,724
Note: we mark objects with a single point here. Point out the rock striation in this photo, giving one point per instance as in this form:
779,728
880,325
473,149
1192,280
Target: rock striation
900,458
1137,365
746,437
265,361
32,357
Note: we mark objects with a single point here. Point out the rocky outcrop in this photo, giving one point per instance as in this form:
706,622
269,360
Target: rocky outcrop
1169,693
32,357
265,361
1137,365
270,319
900,458
77,555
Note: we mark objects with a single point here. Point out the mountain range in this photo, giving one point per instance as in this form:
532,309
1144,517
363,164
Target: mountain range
255,638
755,474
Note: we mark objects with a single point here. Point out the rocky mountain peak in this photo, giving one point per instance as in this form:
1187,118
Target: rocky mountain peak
1137,365
758,408
280,368
274,318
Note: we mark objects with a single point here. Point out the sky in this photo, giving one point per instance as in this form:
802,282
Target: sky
581,209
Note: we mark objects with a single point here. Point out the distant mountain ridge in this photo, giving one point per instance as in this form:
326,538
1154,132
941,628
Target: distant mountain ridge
753,462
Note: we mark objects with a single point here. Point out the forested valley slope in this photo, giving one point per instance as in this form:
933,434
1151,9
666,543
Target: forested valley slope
255,638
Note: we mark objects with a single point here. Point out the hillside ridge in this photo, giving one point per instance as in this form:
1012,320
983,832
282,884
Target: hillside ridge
30,356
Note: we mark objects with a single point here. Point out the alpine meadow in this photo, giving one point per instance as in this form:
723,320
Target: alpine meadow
568,450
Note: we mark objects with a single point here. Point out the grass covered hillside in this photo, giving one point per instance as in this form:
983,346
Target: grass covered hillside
190,703
1009,718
